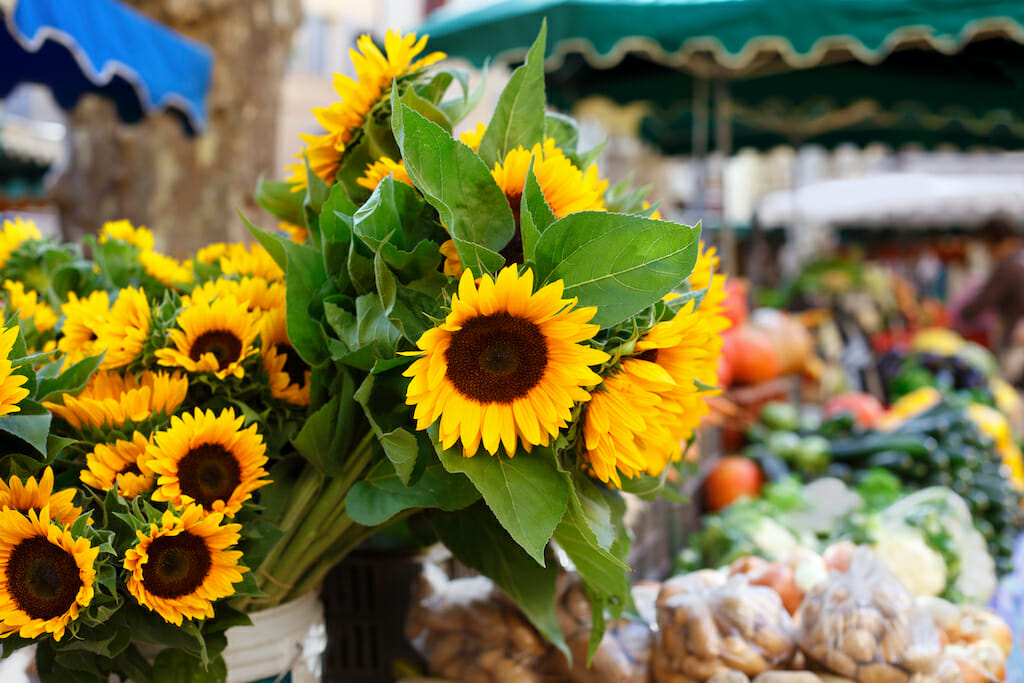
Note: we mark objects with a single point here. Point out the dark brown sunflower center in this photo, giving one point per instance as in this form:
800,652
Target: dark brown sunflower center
649,355
293,365
42,578
209,473
130,468
225,346
496,358
176,566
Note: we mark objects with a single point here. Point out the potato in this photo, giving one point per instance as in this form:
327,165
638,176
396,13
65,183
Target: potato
859,644
881,673
841,663
741,655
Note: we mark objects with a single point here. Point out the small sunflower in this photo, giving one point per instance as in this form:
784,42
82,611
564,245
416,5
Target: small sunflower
254,261
452,262
119,464
255,292
112,400
212,253
46,575
12,390
124,231
125,329
289,374
381,169
166,270
618,422
296,233
506,365
472,138
566,188
28,305
82,317
179,568
209,460
705,275
14,234
33,495
212,337
375,72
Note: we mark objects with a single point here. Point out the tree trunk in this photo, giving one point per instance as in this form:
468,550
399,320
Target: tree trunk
187,190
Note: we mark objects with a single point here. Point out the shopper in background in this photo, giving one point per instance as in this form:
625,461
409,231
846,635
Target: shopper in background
1002,293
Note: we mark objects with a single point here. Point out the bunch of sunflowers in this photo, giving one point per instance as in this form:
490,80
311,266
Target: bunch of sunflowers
143,402
521,341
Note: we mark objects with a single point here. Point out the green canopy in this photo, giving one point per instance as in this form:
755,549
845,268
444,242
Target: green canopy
822,71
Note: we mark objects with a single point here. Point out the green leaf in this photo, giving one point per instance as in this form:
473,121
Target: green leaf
276,197
594,508
459,185
535,215
326,435
400,446
386,284
518,118
599,568
458,109
31,424
527,493
381,494
394,214
434,89
477,540
71,381
621,264
274,244
176,666
563,130
426,108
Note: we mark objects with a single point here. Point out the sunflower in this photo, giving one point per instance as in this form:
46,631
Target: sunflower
166,270
179,568
637,421
705,275
375,72
472,138
11,389
112,400
254,261
381,169
452,262
14,234
289,374
214,336
506,364
255,292
296,233
119,463
209,460
46,575
33,495
27,304
124,231
125,329
82,317
212,253
566,188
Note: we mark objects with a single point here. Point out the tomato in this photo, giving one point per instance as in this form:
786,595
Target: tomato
751,356
731,478
865,408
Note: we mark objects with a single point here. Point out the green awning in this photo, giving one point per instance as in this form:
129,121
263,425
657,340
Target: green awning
735,37
822,71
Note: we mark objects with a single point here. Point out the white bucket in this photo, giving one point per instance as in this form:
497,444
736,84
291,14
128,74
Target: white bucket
288,638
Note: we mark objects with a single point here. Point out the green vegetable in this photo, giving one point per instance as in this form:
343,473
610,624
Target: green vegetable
786,445
781,416
812,454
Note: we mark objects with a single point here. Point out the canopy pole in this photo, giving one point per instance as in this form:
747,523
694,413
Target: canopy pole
700,136
723,142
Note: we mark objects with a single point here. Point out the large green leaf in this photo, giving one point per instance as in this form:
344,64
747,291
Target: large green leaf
534,215
527,494
31,424
276,196
621,264
70,381
599,568
394,214
381,494
459,185
563,130
476,538
518,118
326,435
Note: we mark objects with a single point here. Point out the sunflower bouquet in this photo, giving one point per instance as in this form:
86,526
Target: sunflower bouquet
150,416
501,342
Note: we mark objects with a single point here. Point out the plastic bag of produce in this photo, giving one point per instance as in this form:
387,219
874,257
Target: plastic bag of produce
863,624
624,654
709,625
469,631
